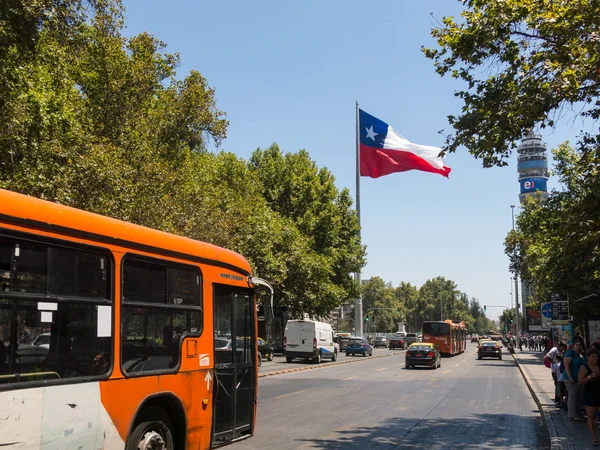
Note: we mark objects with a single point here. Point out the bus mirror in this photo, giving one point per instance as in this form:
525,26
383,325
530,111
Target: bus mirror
268,306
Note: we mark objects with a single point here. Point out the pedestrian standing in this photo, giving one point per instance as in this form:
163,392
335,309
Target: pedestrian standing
589,378
555,355
573,360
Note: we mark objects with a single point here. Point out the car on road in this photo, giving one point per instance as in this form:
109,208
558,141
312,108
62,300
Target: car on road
489,349
411,338
423,354
342,339
474,337
265,350
396,342
380,341
359,346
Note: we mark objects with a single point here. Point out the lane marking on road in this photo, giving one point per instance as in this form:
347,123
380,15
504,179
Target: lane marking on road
289,394
456,365
379,370
351,378
401,408
402,364
445,372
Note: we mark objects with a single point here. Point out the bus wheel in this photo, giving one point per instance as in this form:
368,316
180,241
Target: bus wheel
153,431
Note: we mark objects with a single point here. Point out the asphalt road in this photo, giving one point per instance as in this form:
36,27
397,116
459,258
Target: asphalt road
378,404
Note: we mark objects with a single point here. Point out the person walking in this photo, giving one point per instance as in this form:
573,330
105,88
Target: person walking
555,355
572,361
589,378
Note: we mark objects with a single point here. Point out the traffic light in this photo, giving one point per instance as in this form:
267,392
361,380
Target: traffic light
484,308
511,320
366,318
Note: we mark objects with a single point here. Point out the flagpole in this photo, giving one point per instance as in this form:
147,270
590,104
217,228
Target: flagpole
358,313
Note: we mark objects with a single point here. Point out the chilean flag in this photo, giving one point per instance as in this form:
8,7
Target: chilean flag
383,151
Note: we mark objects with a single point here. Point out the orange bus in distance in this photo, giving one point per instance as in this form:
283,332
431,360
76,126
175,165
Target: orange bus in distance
449,337
115,336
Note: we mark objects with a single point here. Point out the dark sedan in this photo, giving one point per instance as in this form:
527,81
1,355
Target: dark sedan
265,350
489,349
359,346
380,341
396,342
423,354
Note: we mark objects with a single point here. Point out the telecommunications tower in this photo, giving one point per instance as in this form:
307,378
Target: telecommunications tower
533,178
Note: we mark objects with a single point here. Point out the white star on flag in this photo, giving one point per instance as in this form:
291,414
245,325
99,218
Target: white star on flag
370,133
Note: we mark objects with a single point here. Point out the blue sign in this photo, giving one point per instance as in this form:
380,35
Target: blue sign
547,310
533,184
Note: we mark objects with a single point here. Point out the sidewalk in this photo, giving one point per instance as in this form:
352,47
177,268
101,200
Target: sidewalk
564,433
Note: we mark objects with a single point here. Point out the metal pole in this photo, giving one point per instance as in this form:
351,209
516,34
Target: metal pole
358,313
517,320
441,307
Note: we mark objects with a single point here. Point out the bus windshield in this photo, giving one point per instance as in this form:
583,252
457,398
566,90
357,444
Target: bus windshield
436,328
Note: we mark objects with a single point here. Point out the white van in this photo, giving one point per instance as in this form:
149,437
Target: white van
308,339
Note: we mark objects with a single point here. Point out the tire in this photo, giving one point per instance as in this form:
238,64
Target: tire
152,423
347,354
317,359
288,359
407,366
479,358
334,357
259,360
270,357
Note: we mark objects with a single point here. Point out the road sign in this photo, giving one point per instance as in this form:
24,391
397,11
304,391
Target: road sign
560,310
546,308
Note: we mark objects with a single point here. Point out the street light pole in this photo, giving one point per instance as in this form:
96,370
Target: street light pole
517,320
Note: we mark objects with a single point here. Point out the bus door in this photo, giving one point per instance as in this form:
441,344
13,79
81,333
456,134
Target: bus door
235,363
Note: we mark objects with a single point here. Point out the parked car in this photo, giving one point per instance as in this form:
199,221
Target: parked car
359,346
396,342
411,338
380,341
423,354
489,349
42,340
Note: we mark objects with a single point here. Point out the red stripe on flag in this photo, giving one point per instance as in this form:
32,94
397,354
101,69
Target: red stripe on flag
377,162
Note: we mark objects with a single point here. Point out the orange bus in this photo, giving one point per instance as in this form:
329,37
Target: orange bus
114,336
450,338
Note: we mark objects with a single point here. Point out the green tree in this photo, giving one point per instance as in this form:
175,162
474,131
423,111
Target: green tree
295,188
380,302
524,63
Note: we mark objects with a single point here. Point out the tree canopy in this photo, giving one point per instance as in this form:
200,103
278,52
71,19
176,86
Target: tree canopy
525,63
105,123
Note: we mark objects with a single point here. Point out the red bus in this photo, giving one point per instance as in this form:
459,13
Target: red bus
114,335
449,337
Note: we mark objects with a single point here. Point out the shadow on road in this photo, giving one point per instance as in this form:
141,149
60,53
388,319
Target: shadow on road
482,431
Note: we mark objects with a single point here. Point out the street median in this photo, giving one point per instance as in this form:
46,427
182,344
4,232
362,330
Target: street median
320,366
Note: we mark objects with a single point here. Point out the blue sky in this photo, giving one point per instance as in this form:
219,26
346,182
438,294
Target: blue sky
290,73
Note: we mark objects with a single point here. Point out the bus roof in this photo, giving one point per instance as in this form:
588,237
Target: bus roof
22,210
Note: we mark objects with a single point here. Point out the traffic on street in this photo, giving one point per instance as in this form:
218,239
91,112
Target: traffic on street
375,402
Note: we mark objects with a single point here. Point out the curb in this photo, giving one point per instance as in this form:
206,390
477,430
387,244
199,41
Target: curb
320,366
555,440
